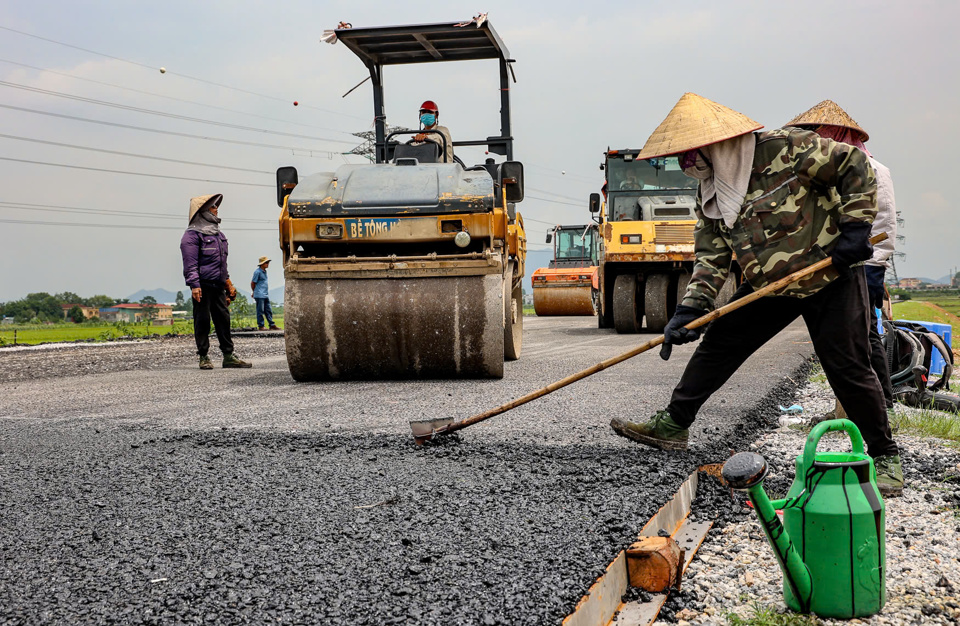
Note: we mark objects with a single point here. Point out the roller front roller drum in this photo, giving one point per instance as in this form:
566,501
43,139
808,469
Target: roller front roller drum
395,328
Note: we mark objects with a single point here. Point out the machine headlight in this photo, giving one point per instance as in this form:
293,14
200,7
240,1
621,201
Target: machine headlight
631,238
329,231
462,239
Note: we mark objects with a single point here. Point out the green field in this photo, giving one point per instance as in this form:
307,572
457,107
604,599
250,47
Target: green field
52,333
939,310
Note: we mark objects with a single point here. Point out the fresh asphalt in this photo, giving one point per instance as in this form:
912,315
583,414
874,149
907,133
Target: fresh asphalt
135,488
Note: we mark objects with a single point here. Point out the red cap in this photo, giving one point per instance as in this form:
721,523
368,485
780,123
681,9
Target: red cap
429,105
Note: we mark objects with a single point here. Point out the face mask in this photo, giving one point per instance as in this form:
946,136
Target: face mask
695,166
428,119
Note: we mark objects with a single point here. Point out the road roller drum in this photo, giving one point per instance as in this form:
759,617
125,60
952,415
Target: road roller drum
395,328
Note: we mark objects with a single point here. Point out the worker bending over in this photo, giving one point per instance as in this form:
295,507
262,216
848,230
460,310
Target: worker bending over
781,200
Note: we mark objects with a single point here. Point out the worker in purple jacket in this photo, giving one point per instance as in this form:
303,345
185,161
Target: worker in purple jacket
204,251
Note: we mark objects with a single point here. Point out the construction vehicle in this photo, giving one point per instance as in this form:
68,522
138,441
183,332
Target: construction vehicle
407,267
646,248
566,286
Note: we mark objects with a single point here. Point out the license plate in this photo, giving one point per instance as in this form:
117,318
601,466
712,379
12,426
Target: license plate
370,228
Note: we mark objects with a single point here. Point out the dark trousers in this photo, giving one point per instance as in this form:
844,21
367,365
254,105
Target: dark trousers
264,311
212,305
878,360
837,319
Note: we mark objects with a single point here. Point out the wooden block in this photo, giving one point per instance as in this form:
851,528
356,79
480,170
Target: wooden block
655,564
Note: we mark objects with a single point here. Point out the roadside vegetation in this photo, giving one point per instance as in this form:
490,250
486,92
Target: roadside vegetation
760,615
939,308
43,318
926,423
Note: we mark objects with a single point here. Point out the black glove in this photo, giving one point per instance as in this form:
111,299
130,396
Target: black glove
675,333
853,245
875,274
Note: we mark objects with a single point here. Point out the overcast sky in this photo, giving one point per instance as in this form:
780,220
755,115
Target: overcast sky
590,75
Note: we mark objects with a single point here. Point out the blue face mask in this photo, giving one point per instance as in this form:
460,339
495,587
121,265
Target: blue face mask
428,119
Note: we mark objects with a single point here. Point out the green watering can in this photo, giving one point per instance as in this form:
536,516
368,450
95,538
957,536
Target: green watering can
830,545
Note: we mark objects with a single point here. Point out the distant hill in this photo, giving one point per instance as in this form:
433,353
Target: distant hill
160,295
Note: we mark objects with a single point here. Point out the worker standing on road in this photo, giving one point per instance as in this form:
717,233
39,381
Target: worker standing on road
781,200
204,251
828,120
430,120
261,294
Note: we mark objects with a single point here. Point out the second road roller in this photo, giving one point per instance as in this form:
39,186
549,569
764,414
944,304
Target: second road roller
568,285
408,267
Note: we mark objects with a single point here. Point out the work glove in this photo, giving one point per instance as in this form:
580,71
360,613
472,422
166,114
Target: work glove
675,333
875,274
853,245
231,291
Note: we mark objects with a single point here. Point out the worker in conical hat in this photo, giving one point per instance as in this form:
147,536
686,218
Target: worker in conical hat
828,119
780,201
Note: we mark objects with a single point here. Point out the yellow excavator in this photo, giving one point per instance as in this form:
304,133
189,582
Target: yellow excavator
408,267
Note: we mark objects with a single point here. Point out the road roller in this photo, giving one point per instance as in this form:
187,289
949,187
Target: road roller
567,285
409,266
646,247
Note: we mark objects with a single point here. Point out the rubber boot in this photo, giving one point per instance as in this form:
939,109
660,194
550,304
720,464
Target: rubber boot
206,363
231,360
889,475
660,431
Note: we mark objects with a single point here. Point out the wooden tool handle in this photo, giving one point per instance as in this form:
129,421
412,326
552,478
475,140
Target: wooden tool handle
599,367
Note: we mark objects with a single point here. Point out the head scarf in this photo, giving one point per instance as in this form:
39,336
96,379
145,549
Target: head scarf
205,223
723,185
843,135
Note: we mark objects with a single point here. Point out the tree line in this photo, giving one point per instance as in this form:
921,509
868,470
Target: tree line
43,307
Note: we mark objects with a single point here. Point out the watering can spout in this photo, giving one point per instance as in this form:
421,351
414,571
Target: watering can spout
745,471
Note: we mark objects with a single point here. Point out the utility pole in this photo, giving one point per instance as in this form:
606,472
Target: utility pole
368,148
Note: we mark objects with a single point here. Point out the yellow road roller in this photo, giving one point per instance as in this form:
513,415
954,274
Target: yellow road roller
567,285
407,267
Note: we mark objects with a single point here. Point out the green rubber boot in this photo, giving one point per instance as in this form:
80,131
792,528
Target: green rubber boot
660,431
206,363
889,475
231,360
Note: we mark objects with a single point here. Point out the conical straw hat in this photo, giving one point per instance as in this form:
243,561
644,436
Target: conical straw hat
693,123
828,113
201,201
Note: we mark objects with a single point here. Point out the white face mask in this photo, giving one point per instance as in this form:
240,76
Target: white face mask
701,170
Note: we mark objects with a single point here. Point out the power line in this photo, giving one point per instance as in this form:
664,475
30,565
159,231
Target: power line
131,154
54,208
124,226
576,204
160,95
199,120
155,68
111,171
309,151
553,193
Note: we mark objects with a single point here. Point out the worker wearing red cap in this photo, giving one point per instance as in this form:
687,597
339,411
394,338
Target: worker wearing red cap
429,120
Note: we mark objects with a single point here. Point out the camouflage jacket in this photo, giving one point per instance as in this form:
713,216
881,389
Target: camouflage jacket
801,189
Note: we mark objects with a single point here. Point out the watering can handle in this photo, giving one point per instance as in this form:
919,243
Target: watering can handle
821,429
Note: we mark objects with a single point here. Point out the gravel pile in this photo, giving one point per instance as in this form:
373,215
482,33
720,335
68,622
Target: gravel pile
735,569
313,529
63,360
148,514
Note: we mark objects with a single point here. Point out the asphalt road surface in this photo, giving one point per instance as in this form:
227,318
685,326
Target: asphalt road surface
135,488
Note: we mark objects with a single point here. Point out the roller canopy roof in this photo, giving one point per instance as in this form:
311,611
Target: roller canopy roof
424,43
